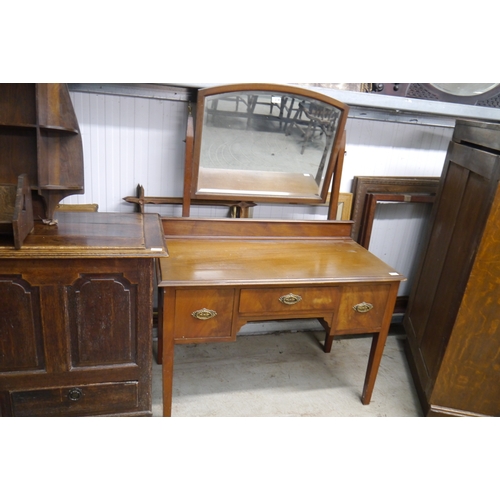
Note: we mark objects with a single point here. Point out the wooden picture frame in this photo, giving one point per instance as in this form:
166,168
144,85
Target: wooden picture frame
364,186
371,204
368,191
344,206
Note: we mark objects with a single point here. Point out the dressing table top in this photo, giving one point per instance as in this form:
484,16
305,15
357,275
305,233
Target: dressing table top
200,255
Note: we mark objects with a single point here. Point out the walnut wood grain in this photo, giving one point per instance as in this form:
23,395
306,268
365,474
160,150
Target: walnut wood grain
242,268
213,262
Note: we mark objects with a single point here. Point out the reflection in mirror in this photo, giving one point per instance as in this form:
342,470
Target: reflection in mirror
465,89
275,144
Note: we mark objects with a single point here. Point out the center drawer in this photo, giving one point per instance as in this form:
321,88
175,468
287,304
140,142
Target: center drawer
287,300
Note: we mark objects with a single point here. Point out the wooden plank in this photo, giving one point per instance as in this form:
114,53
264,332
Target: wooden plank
85,207
254,228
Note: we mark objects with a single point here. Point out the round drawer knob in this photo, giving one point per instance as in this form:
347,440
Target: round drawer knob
75,394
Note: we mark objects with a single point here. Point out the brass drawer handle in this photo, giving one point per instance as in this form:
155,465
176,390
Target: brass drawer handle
204,314
75,394
364,307
290,299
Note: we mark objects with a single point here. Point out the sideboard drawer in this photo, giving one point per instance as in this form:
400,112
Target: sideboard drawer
79,400
287,300
203,313
362,308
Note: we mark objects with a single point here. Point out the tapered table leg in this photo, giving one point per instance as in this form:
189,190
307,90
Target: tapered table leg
166,325
377,348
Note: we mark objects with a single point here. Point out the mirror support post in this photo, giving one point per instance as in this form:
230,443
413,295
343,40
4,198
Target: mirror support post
334,197
188,165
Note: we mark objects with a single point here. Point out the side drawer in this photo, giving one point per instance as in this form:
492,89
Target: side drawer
287,300
362,308
96,399
203,313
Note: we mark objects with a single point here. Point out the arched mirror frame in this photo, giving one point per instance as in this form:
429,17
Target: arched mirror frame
194,137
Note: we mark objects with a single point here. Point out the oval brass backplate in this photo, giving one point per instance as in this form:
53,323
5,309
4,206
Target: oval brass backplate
204,314
364,307
290,299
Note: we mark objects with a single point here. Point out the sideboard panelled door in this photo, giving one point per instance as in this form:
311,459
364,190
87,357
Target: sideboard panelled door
103,326
21,340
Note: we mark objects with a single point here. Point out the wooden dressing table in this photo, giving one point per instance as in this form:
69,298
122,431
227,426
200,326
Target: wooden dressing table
221,274
254,143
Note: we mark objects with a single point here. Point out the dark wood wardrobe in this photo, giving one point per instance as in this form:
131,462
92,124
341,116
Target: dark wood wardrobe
453,317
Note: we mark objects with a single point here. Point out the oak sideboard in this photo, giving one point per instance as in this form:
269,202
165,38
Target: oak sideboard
76,316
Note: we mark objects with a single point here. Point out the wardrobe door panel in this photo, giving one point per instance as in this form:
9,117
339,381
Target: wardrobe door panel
437,251
466,232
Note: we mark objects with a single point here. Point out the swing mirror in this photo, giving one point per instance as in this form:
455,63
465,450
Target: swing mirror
266,143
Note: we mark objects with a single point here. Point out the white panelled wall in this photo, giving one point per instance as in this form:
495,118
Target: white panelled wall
129,141
377,148
133,140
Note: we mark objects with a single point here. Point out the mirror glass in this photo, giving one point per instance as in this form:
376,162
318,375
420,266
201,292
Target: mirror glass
266,144
465,89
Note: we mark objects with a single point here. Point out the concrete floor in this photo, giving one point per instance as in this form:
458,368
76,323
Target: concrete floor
287,375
